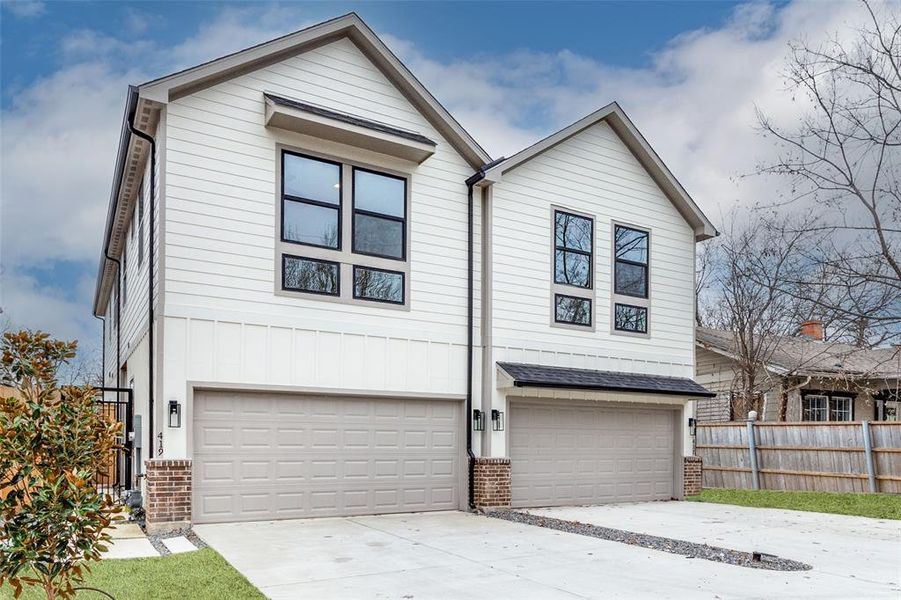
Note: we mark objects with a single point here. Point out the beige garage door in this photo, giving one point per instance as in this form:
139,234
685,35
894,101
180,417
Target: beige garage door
589,454
277,456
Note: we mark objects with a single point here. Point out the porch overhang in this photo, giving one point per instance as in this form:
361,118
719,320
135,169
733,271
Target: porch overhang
521,375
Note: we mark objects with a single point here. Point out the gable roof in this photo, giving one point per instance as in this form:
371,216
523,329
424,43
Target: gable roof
637,144
350,26
799,355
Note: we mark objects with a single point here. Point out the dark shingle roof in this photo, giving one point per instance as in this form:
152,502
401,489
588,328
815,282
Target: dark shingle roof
588,379
350,119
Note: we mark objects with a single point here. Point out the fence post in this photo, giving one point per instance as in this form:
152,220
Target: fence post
868,448
752,449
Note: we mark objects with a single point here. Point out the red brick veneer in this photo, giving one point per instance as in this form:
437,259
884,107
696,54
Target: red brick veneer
168,504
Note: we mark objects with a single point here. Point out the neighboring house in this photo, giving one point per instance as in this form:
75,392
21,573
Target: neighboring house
350,297
820,380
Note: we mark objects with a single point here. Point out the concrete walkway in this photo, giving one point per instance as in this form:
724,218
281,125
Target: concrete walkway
464,556
129,541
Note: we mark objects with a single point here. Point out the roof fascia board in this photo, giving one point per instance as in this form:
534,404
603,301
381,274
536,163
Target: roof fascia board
732,356
351,26
637,144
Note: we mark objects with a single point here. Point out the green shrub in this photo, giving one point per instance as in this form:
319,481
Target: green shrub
53,443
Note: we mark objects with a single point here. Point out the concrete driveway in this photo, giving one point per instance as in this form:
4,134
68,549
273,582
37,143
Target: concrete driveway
458,555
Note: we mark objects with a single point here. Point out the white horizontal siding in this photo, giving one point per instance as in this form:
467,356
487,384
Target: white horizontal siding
225,323
594,173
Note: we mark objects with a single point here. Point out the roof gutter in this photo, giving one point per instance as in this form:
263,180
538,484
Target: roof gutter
131,105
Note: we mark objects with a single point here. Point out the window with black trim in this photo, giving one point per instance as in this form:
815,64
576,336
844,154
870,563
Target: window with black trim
311,201
826,406
379,214
310,275
573,249
572,310
321,199
379,285
627,317
631,262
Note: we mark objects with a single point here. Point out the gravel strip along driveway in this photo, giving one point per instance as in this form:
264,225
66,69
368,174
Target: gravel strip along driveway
156,540
653,542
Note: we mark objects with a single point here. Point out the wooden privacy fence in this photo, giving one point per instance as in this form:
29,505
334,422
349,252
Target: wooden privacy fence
829,457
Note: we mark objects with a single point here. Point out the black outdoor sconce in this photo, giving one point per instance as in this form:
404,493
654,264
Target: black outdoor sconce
497,420
478,420
174,414
692,426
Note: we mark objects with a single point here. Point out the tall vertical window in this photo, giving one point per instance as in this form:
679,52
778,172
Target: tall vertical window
573,269
379,219
631,293
140,210
311,201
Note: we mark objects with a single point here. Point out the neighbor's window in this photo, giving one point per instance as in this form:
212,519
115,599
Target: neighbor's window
573,243
814,407
308,275
572,310
379,285
839,408
630,318
311,201
379,219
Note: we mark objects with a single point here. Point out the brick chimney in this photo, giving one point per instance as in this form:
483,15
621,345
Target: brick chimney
812,328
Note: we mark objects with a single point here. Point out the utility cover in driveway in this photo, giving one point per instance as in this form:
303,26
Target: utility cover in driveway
277,456
563,454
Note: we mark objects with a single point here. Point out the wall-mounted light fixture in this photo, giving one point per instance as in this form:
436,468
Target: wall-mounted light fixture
692,426
174,414
478,420
497,420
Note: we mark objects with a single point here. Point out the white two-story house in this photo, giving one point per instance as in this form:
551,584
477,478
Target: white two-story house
330,300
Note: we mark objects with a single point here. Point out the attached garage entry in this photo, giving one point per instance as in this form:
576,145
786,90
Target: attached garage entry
564,454
262,456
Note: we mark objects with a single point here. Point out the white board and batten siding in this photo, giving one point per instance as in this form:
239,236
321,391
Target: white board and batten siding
594,173
224,323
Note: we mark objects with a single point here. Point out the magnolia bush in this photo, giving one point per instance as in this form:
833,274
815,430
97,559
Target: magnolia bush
53,443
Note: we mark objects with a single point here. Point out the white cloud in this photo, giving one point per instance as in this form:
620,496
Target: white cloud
695,104
25,9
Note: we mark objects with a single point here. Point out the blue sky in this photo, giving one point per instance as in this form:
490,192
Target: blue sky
690,74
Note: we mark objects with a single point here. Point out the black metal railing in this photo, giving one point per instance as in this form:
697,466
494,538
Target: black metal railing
117,404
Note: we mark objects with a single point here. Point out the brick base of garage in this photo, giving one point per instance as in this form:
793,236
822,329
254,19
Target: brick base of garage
691,480
491,482
168,503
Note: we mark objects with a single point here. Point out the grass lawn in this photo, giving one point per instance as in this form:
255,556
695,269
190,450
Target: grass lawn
200,575
878,506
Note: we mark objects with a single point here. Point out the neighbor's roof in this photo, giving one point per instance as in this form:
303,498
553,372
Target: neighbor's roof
526,375
637,144
804,356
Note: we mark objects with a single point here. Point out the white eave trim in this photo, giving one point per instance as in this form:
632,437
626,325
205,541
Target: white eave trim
325,127
637,144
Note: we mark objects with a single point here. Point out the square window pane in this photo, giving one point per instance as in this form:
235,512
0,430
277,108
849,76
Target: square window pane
631,245
630,318
310,224
309,275
813,408
572,232
381,237
630,280
572,268
840,409
311,179
573,310
375,284
379,193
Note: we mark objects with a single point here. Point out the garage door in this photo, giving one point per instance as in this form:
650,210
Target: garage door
277,456
589,454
